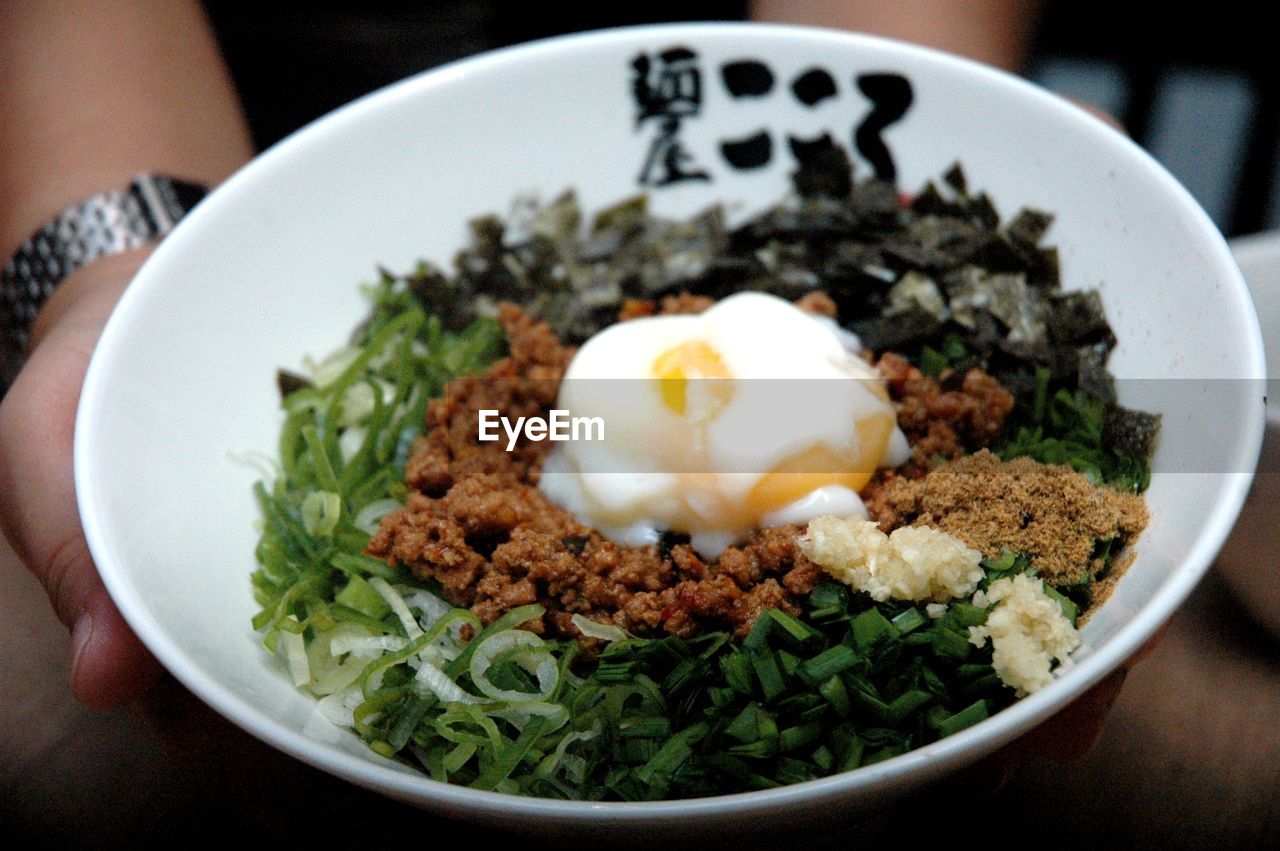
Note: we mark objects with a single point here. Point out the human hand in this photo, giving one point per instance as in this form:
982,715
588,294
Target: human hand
88,100
38,512
1067,736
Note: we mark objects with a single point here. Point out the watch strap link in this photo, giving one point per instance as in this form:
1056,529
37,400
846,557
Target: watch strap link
107,223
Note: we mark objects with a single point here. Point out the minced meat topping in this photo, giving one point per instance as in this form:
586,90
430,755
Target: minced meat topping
476,523
944,421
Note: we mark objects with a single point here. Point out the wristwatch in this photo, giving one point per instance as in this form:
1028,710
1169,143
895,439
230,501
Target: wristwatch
108,223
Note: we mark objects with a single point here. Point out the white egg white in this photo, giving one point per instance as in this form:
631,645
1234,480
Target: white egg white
694,462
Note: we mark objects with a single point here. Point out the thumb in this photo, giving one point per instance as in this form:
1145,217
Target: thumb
38,508
110,667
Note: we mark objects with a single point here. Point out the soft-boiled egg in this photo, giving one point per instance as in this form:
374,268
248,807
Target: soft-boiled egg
751,414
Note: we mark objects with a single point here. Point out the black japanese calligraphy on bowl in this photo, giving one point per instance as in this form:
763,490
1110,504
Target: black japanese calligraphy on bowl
668,87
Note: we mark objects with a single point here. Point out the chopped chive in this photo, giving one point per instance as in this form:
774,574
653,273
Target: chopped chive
673,754
759,633
1069,609
768,674
871,628
793,771
847,747
906,704
829,595
949,644
837,695
795,737
400,733
965,614
910,619
884,753
736,668
746,726
645,728
967,717
828,663
796,633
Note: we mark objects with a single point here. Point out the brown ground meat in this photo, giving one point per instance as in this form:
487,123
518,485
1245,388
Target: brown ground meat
476,522
685,303
636,308
680,303
940,422
533,551
818,302
521,385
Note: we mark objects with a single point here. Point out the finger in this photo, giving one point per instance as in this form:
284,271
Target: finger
38,506
1075,730
1099,113
1067,736
255,785
988,775
110,667
1149,647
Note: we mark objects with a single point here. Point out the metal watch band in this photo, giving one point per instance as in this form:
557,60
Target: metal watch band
102,225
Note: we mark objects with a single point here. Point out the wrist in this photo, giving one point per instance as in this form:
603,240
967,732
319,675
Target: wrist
98,227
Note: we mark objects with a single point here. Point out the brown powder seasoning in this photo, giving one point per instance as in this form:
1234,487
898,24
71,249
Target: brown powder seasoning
1052,513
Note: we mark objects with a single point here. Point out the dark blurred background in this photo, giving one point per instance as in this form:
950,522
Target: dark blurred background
1195,85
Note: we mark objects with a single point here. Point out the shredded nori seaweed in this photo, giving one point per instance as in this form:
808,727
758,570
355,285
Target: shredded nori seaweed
1130,431
289,383
926,275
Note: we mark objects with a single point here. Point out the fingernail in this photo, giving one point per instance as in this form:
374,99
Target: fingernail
80,635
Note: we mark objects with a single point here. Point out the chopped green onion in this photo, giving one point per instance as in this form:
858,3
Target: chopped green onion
909,620
825,665
966,717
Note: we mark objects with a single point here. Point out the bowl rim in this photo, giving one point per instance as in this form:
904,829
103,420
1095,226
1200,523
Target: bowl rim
927,762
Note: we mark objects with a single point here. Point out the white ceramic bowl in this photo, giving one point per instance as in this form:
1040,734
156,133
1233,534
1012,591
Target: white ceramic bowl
265,270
